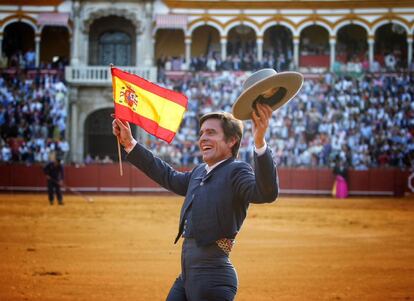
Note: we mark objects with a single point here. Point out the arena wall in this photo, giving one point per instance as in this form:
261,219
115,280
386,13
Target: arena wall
106,178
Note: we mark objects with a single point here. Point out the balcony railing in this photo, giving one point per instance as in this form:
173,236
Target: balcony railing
101,75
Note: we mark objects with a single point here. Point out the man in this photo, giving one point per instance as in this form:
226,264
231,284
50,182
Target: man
217,196
54,174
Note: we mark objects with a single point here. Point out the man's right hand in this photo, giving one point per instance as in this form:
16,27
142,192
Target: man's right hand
122,131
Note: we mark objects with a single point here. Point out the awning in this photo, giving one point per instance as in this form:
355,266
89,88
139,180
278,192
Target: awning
171,22
57,19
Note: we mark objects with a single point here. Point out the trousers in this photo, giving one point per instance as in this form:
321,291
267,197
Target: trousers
52,188
206,275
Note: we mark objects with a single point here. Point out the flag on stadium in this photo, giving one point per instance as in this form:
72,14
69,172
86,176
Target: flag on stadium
157,110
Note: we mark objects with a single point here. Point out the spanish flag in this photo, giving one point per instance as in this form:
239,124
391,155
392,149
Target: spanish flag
157,110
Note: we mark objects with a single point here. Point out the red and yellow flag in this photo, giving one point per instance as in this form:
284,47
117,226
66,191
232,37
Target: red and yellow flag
157,110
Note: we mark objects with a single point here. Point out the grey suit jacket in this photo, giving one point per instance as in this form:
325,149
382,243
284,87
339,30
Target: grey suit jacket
219,199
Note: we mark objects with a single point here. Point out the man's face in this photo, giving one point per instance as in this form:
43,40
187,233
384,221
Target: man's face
212,142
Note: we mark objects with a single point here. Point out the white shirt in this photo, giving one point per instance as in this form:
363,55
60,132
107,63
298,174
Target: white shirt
259,152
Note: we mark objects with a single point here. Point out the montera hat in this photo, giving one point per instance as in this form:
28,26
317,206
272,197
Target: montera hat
268,87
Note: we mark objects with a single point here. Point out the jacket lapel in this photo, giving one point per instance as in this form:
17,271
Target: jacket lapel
202,176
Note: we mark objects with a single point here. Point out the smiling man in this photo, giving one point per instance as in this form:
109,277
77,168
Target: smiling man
217,196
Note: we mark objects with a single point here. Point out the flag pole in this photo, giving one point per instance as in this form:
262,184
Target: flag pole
121,172
119,157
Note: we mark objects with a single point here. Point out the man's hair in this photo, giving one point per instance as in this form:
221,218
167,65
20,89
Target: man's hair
231,126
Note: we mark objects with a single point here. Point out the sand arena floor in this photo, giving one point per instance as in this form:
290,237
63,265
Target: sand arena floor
121,248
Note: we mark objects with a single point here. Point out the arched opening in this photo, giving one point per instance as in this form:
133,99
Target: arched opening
351,44
241,47
112,40
18,45
277,48
99,140
169,49
205,48
391,46
114,47
314,47
54,46
205,40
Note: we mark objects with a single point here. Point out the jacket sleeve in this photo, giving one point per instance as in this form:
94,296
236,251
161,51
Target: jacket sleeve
159,171
260,185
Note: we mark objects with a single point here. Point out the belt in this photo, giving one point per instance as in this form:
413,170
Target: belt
225,244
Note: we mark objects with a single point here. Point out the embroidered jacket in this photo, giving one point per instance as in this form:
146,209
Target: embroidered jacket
219,199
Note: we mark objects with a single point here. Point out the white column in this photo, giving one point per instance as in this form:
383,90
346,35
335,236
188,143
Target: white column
332,42
139,61
37,47
86,47
147,36
409,51
188,51
74,151
259,43
1,44
70,47
371,42
296,52
74,60
223,43
149,53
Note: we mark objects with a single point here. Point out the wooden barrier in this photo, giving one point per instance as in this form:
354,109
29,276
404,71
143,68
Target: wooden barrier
106,178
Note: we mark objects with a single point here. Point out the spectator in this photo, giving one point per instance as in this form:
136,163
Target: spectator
390,61
54,174
30,59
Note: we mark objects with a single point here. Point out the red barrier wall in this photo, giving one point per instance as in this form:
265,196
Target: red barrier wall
106,177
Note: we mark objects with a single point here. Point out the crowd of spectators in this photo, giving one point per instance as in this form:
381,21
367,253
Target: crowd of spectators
367,122
27,61
19,59
238,59
33,115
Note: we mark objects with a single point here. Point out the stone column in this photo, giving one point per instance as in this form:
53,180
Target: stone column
296,51
1,44
187,42
223,43
371,41
149,53
71,48
74,60
148,38
139,58
74,150
85,36
37,47
332,42
259,43
409,50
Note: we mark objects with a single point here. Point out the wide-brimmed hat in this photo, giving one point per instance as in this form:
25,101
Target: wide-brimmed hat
269,87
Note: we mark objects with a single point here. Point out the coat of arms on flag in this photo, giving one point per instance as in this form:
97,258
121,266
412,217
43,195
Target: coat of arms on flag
157,110
129,97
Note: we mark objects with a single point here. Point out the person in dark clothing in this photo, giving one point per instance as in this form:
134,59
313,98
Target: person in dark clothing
54,174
